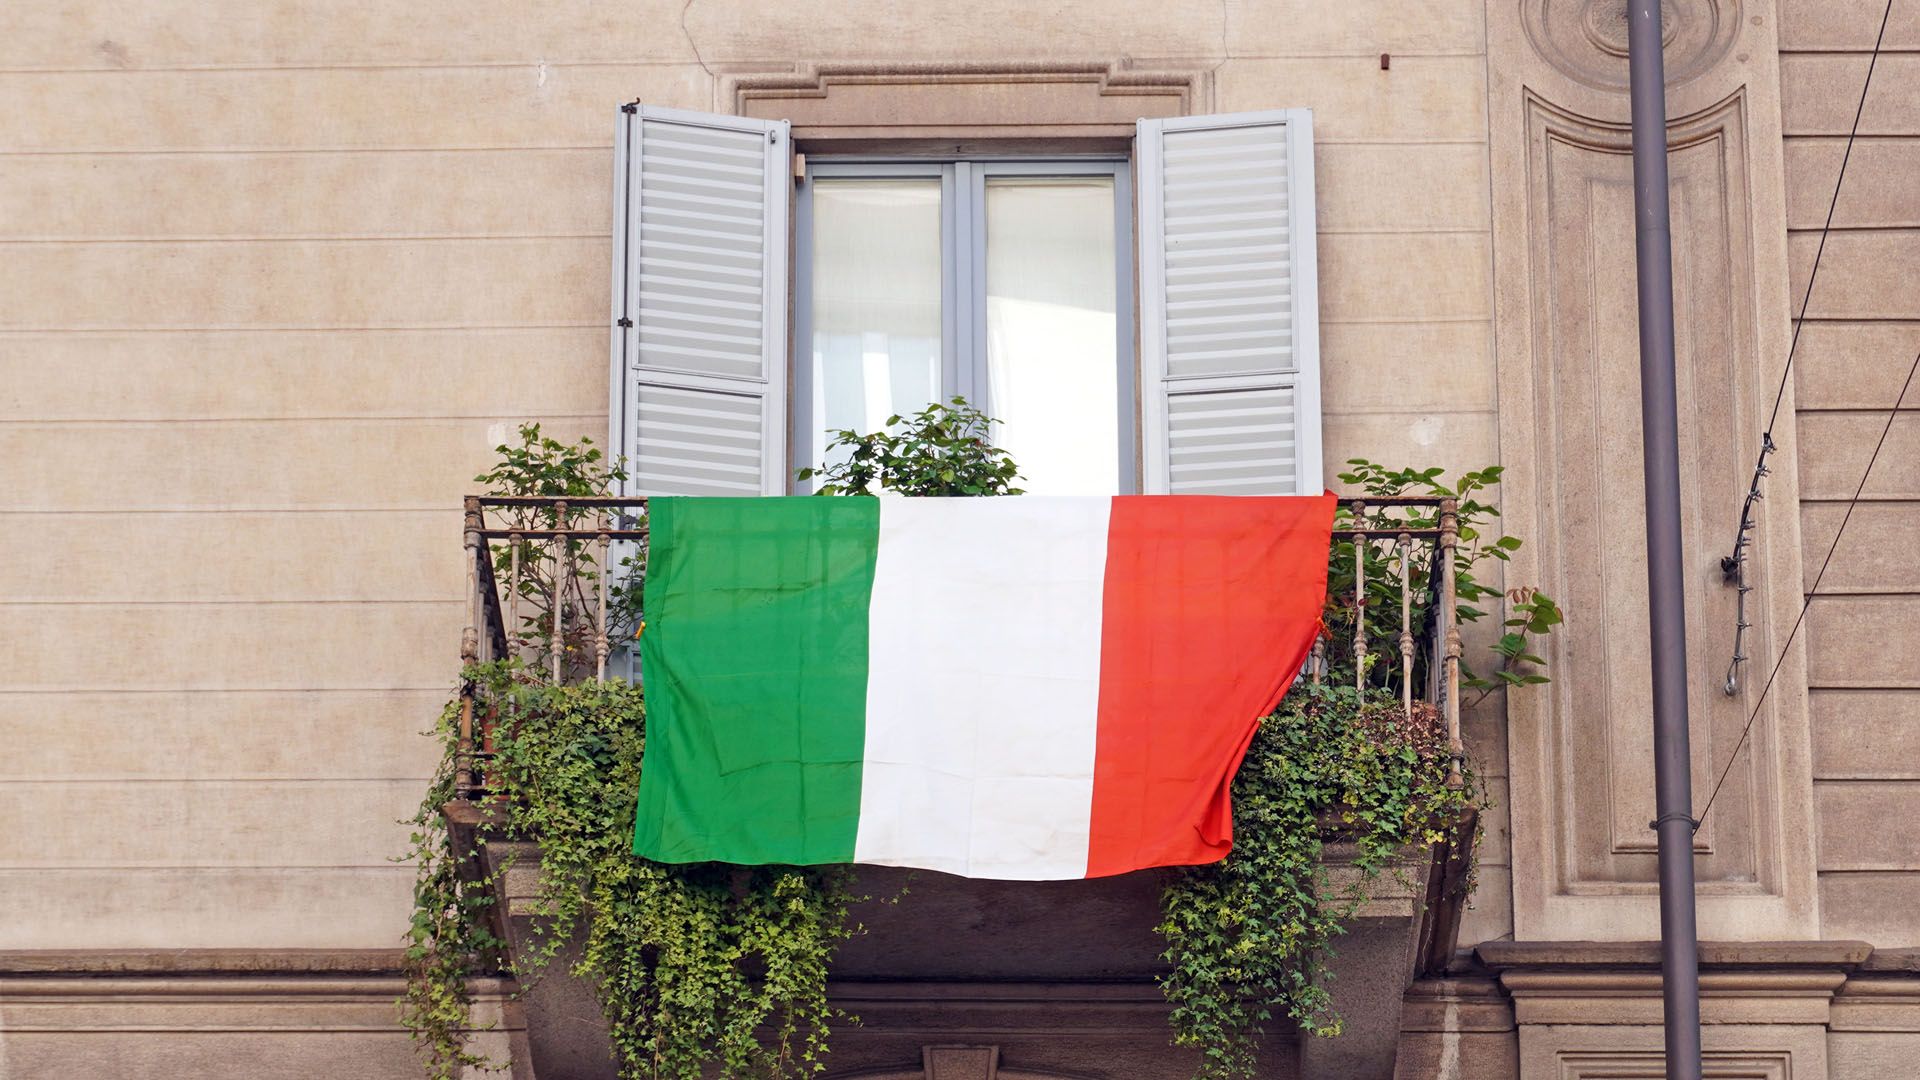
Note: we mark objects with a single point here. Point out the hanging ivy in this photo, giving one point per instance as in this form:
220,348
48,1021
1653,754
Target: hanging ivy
706,965
449,937
1248,939
693,965
709,964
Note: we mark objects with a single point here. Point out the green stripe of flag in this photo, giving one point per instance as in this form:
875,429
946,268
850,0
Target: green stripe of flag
756,628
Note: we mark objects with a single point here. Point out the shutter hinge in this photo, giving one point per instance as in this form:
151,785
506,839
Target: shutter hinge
624,323
630,107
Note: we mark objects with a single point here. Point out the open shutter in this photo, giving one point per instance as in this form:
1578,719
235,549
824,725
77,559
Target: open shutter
698,390
1229,310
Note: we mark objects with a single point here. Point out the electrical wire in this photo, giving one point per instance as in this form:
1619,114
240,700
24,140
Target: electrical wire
1735,566
1811,593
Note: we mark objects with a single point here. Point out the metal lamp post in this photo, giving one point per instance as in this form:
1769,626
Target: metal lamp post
1653,242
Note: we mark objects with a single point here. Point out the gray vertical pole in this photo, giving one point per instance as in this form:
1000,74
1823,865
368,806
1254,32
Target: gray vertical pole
1672,761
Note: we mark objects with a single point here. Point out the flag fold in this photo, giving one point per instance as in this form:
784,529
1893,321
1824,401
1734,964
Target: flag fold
1020,688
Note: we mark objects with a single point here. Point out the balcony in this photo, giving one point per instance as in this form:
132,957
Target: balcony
1046,975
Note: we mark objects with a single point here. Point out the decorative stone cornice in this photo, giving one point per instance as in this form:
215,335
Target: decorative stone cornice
1618,982
149,962
1503,956
1456,1005
840,103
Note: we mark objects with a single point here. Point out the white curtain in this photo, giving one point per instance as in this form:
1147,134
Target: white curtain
1050,331
876,300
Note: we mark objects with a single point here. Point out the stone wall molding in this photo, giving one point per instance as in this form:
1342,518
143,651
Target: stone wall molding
1580,751
957,1062
834,104
194,962
1586,40
225,1012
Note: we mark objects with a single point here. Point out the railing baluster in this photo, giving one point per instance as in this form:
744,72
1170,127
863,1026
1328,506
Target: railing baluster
1406,625
470,647
593,616
642,551
515,639
562,568
1450,626
600,648
1360,598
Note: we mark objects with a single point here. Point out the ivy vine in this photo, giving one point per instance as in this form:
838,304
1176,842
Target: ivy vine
694,966
450,936
1248,939
1531,613
707,965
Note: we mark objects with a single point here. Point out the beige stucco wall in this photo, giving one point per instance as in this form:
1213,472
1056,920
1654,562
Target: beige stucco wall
1861,333
275,278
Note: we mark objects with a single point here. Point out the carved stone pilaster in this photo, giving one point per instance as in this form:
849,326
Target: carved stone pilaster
1566,344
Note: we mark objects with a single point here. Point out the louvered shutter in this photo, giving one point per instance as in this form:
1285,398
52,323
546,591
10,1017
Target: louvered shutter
1229,327
700,294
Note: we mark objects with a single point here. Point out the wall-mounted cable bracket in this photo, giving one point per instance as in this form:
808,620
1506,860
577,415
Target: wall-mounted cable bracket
1733,568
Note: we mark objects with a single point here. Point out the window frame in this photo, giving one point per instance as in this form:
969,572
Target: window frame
963,284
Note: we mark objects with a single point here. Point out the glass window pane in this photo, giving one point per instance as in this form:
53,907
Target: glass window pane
1051,352
876,301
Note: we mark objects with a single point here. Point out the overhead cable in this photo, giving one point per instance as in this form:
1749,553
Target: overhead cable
1734,566
1811,592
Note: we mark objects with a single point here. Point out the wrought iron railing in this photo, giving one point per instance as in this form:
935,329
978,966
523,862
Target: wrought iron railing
544,587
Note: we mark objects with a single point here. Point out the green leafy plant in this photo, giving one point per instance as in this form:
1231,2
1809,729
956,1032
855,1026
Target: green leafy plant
708,967
1531,613
450,936
1248,939
940,450
695,966
554,571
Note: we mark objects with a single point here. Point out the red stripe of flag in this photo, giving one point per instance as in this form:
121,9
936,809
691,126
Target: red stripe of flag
1211,606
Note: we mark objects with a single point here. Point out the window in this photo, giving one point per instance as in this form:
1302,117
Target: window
1000,281
1008,281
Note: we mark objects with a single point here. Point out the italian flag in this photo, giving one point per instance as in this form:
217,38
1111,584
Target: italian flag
1024,688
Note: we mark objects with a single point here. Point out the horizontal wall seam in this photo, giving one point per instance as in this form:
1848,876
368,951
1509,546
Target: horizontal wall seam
1862,52
278,868
265,151
345,418
76,690
1410,410
302,690
214,328
300,238
1213,56
531,63
1841,228
117,602
1402,320
272,779
395,1031
103,151
266,510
